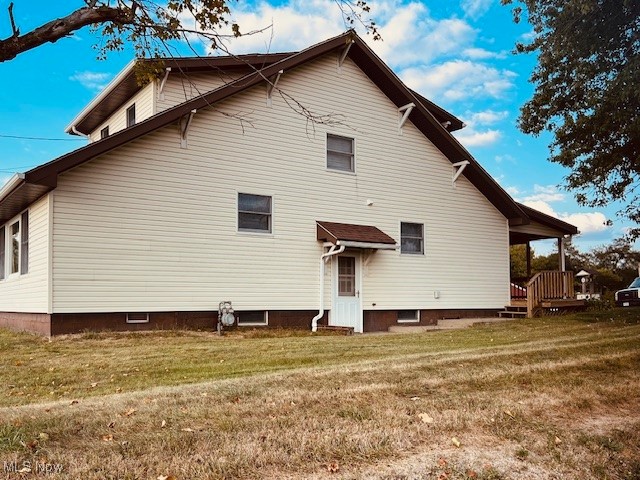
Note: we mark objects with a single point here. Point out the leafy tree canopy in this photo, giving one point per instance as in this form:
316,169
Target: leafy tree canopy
587,93
150,26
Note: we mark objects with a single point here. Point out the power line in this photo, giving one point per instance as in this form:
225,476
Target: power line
43,138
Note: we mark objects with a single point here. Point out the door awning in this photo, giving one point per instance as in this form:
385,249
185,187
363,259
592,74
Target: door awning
354,236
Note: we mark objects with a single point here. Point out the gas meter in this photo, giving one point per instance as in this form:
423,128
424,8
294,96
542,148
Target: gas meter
225,315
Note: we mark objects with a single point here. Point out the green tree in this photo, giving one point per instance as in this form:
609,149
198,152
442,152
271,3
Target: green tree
587,95
518,255
150,26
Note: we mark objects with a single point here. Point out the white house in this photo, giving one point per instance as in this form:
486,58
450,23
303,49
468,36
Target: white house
246,179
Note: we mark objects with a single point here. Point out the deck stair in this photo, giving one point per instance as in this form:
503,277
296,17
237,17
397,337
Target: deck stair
513,311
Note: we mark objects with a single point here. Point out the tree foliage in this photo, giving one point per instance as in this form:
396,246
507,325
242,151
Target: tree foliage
150,27
587,94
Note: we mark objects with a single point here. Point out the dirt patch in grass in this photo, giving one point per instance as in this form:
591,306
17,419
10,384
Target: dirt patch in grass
539,399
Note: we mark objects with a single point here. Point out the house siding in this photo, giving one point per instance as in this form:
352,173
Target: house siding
153,227
182,87
145,107
29,293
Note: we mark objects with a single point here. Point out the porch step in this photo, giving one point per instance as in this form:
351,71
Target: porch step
513,311
334,328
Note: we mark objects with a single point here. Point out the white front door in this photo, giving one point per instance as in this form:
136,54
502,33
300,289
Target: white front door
347,307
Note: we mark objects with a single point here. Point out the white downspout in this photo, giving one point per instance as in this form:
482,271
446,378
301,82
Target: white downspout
323,259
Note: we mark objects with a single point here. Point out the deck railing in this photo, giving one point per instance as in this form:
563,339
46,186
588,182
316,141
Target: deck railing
548,285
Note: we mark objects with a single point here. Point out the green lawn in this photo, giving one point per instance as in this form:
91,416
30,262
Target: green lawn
543,398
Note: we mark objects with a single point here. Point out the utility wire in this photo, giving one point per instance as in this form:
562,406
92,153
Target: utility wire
43,138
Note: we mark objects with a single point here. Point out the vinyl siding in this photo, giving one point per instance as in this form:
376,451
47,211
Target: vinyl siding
144,101
29,293
182,87
153,227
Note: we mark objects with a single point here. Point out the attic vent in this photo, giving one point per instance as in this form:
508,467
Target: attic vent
137,318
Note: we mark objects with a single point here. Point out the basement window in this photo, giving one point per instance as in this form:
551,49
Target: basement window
137,318
408,316
256,318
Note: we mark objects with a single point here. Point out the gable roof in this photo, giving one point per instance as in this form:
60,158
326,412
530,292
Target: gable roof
381,75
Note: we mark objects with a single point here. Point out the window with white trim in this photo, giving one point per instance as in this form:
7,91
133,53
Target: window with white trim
3,241
254,213
412,238
408,316
131,115
340,153
137,318
14,247
255,318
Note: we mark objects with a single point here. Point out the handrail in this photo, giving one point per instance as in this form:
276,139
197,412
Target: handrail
548,285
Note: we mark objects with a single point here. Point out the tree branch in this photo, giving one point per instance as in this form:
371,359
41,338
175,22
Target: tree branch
59,28
14,29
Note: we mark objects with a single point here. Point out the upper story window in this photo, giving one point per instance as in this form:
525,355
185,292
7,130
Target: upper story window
340,153
104,133
411,238
254,213
131,115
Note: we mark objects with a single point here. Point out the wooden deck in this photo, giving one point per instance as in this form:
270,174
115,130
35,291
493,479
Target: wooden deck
548,292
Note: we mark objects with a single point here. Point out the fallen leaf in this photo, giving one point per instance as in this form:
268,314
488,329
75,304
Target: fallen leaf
163,424
33,445
557,441
471,474
442,462
508,412
73,402
118,390
425,417
333,467
94,384
19,363
187,430
455,442
166,477
43,436
129,412
413,399
107,438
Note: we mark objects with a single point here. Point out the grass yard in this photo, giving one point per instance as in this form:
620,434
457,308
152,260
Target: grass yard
548,398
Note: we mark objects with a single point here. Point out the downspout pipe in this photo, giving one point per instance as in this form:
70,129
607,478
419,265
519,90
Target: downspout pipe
323,259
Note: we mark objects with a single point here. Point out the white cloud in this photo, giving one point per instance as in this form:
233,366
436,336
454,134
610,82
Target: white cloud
591,222
486,117
513,191
458,79
475,8
476,53
472,138
91,80
410,35
548,193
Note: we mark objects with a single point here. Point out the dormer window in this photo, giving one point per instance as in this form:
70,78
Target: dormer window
131,115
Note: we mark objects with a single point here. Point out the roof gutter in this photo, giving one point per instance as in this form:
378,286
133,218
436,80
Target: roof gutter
11,185
101,96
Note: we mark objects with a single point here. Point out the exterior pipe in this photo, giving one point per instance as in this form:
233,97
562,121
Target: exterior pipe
78,132
323,259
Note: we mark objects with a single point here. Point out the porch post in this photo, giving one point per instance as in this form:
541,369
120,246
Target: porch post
561,255
529,259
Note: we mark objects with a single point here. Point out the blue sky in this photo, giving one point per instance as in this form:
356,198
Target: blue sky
457,53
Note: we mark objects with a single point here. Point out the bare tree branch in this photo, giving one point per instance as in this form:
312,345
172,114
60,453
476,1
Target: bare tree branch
61,27
14,29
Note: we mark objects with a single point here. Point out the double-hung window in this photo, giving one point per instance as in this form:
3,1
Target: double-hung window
131,115
340,153
14,247
254,213
412,238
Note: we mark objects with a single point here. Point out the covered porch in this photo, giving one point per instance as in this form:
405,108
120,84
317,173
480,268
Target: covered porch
547,291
